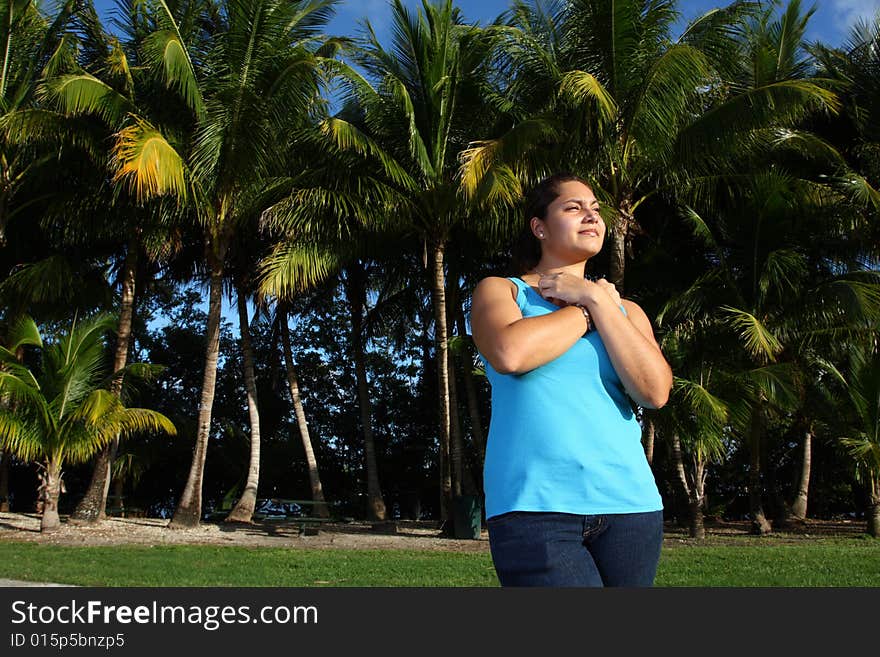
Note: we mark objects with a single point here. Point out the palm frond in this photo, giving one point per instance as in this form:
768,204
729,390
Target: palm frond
700,299
43,126
731,123
102,418
49,281
82,93
667,99
777,382
700,402
701,229
23,331
348,137
783,274
864,451
18,437
19,383
418,150
164,50
149,163
500,158
585,89
294,268
757,339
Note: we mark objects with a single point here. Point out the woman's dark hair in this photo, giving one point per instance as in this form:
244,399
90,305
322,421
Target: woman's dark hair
526,250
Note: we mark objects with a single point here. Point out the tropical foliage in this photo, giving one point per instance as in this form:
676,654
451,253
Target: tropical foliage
56,411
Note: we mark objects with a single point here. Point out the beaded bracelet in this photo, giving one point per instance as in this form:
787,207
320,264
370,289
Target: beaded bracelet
586,316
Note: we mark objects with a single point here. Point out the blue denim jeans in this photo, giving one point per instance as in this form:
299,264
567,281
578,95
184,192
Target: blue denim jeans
562,549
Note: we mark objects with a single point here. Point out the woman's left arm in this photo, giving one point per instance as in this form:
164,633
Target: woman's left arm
634,353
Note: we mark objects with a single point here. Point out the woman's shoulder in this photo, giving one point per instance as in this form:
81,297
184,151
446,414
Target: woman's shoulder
496,282
632,307
492,286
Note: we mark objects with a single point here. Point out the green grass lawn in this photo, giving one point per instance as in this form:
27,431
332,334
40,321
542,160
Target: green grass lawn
819,562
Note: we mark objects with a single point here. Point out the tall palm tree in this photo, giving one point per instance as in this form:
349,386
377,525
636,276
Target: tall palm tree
598,88
61,413
247,74
299,411
104,82
428,101
243,510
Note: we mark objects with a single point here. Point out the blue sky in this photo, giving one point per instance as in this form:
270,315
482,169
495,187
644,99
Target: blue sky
830,23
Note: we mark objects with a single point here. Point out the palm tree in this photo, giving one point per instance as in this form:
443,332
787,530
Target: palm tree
355,284
294,267
61,414
246,73
107,83
239,75
861,428
243,510
299,411
696,417
427,102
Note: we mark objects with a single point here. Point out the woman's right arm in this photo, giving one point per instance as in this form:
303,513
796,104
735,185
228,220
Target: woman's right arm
511,343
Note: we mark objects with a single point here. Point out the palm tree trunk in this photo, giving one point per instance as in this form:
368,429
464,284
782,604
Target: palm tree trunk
355,288
874,509
51,491
648,435
693,489
189,509
456,440
5,457
244,508
438,296
118,487
314,475
760,524
799,507
619,237
93,506
472,399
698,501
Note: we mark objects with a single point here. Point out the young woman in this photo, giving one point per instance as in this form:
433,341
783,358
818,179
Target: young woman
570,498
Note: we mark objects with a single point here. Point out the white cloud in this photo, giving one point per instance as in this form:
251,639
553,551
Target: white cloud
847,12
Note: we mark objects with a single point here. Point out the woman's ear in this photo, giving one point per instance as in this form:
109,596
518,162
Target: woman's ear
537,227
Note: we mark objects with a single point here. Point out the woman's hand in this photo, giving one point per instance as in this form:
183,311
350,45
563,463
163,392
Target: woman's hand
562,288
609,288
566,289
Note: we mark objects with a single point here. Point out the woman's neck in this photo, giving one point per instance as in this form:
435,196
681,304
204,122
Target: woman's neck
548,264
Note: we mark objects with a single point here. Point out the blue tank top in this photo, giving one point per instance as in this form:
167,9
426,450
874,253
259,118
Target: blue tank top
563,437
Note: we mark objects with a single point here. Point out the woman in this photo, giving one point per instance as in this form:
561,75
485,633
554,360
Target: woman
570,498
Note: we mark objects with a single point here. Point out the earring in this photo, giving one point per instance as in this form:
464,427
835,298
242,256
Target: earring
540,234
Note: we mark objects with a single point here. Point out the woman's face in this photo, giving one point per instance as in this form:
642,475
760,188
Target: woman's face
572,227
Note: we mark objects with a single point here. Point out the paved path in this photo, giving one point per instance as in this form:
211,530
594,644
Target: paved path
17,582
